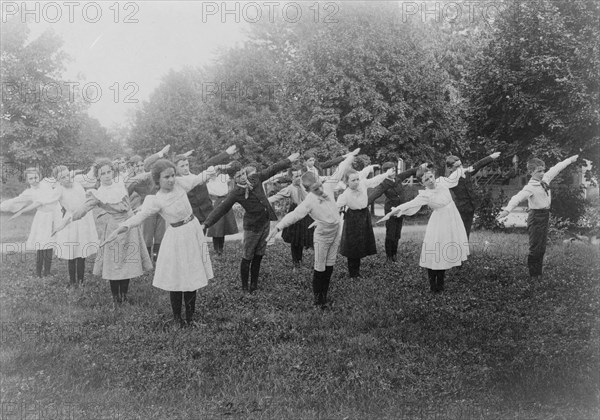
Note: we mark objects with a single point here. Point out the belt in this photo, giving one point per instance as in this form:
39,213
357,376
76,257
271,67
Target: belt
540,210
184,221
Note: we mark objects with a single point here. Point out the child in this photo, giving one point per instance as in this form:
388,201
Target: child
321,206
539,198
199,196
79,239
445,244
394,196
48,212
184,265
127,257
311,165
298,235
463,195
218,188
250,194
358,240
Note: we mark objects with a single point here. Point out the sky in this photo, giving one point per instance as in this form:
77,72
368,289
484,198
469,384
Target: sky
120,51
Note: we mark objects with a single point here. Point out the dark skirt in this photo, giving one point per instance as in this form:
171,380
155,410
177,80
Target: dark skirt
226,225
299,234
358,239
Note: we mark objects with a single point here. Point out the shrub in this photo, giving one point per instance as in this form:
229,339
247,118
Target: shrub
488,210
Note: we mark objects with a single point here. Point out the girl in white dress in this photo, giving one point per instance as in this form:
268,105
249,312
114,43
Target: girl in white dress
183,265
126,258
79,239
47,214
445,244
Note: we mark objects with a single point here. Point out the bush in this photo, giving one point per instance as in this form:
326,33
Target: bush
568,203
488,210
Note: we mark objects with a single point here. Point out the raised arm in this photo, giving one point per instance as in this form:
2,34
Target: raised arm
149,207
451,181
150,160
330,163
556,169
477,166
220,158
378,179
189,182
277,167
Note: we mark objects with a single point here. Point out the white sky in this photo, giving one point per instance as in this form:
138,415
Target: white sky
168,35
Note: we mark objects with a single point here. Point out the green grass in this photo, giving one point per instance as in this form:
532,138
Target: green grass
493,346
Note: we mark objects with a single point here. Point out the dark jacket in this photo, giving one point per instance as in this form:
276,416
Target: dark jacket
394,190
464,196
198,196
258,210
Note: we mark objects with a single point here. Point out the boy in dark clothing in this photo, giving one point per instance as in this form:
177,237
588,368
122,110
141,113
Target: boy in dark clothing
249,193
463,195
394,196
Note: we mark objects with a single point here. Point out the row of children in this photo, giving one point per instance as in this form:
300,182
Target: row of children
185,266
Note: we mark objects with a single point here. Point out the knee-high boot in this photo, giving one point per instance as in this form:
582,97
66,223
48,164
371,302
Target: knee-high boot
254,272
245,272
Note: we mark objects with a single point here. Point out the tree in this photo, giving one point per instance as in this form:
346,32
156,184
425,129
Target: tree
535,89
39,115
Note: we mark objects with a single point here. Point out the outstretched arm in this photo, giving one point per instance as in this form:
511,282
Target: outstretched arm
477,166
556,169
522,195
277,167
150,160
221,209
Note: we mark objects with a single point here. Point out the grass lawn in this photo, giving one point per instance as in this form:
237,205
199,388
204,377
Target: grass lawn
493,346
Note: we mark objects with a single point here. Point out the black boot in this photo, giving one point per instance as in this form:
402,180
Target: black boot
326,280
440,280
72,267
189,299
432,280
316,286
254,271
176,298
245,272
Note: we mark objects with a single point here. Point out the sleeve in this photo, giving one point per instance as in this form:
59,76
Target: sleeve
273,169
342,200
375,181
524,194
481,164
283,193
220,210
215,160
364,172
331,182
451,181
297,214
189,182
149,207
18,203
406,174
413,206
87,181
90,202
555,170
150,160
141,184
378,191
332,162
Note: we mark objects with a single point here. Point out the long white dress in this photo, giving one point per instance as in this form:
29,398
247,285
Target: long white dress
183,263
78,239
46,216
445,244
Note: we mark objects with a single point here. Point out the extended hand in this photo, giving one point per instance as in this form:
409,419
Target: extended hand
231,150
188,153
294,157
165,150
272,234
502,215
114,235
495,155
574,158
